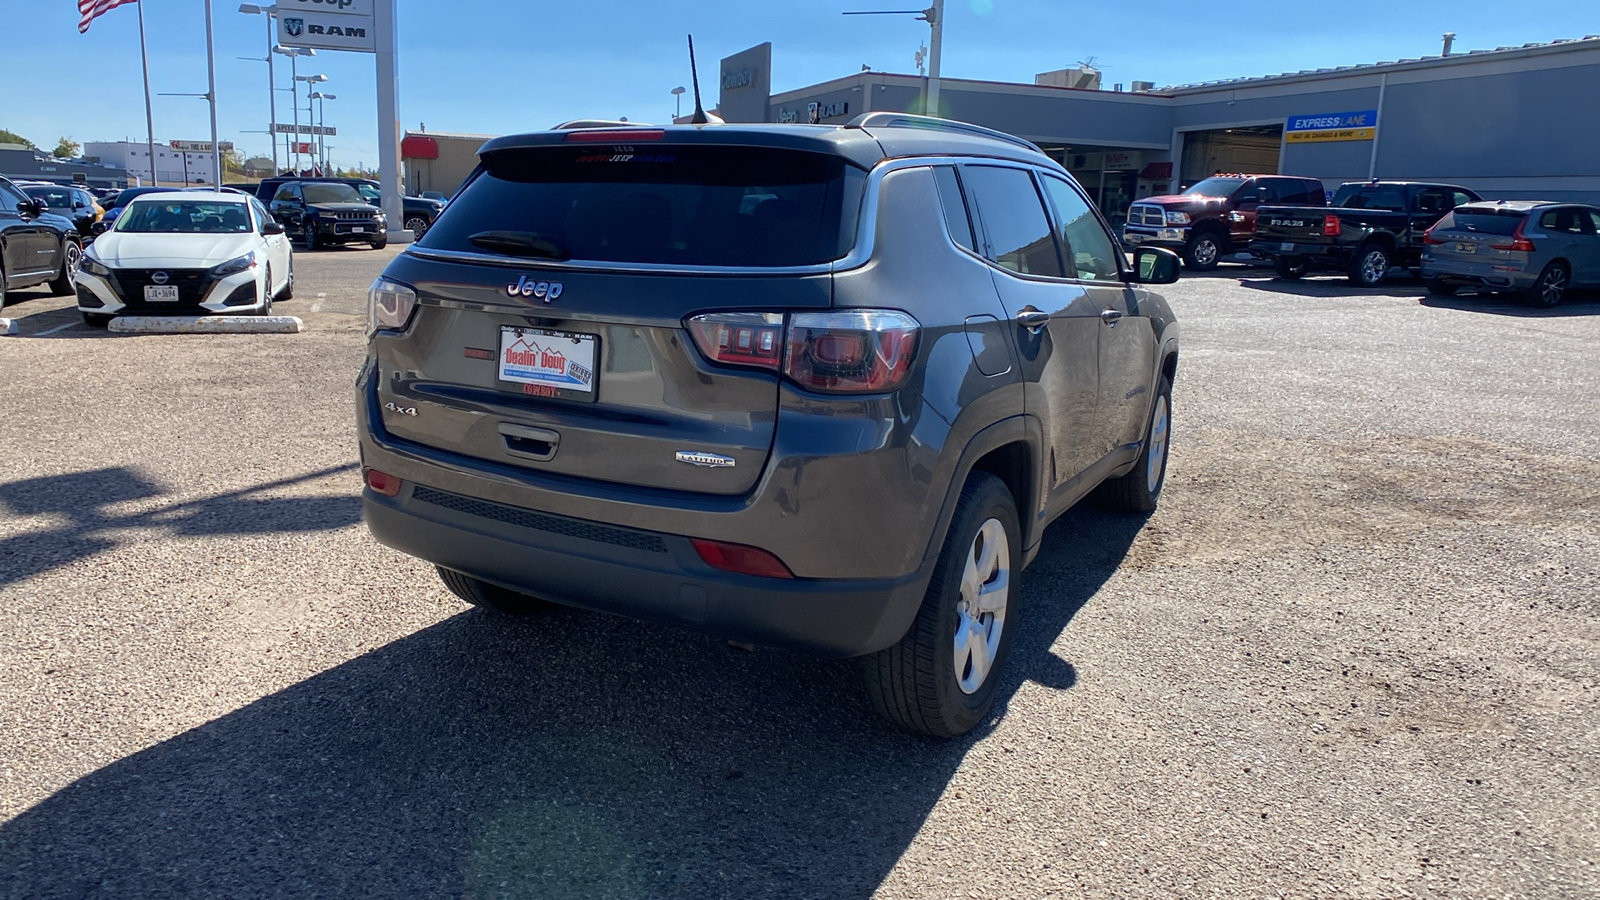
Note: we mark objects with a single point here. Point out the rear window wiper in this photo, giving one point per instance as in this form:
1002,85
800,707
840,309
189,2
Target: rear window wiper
520,243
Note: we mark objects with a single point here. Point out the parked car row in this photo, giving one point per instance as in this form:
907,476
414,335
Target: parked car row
36,246
1453,238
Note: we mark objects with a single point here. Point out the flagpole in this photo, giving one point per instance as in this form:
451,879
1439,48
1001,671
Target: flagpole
211,98
149,117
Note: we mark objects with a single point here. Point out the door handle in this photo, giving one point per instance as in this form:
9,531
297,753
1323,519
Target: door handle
1032,319
1110,317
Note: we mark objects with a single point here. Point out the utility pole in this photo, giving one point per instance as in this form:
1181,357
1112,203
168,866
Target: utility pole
211,96
934,16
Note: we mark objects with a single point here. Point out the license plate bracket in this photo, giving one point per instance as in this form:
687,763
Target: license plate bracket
161,293
1286,247
548,363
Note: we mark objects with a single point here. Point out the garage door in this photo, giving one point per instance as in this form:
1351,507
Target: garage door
1253,150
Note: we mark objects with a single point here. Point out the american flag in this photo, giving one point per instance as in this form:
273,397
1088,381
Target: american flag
89,9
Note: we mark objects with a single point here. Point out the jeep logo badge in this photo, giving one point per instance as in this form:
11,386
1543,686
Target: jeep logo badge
547,291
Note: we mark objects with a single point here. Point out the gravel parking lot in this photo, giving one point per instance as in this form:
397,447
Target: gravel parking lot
1355,653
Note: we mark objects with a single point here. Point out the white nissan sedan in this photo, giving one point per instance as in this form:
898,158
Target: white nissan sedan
187,253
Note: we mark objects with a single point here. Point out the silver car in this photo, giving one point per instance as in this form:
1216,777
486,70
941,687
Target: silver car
1536,248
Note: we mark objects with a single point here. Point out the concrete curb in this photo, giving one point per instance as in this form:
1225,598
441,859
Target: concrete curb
207,325
8,326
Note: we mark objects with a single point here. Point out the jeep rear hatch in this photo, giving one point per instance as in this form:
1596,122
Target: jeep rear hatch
553,292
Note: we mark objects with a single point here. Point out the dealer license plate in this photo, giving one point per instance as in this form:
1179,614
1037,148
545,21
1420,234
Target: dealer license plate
359,228
558,361
161,293
1465,247
1286,247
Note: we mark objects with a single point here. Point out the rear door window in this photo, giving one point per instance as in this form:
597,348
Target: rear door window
1483,221
1015,225
1360,196
955,207
664,204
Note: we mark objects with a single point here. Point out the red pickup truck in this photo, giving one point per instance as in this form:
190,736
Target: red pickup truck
1216,217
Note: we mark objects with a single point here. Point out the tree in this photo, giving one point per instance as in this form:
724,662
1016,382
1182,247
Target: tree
11,137
232,163
66,148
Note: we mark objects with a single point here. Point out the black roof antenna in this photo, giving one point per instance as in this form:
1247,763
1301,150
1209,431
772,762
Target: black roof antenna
699,117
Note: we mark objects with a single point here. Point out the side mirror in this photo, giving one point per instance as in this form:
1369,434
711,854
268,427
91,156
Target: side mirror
272,228
1155,265
100,228
32,207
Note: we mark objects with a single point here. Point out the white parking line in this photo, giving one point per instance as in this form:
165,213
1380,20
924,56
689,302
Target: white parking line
56,329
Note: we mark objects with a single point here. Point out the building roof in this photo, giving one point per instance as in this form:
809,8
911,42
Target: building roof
461,135
1363,68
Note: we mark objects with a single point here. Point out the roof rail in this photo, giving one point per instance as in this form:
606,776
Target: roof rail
575,124
907,120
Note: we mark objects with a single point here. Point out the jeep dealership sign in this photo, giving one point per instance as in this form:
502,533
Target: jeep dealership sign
327,25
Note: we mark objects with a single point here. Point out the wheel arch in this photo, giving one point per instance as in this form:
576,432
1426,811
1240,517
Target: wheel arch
1011,451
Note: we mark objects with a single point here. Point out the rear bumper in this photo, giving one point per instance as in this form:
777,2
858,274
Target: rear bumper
1330,255
641,574
1476,274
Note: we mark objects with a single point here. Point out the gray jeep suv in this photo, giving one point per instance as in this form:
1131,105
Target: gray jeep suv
804,386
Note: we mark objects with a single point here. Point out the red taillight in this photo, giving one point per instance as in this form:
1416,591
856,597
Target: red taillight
741,559
853,351
1330,225
1518,242
615,135
383,483
740,339
849,352
1428,238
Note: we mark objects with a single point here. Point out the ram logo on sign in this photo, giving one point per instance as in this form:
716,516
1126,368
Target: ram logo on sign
323,31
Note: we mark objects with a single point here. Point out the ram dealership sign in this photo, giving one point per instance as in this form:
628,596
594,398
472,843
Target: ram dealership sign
327,25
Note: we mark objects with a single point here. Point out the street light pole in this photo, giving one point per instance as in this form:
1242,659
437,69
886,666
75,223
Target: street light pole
271,13
211,97
934,16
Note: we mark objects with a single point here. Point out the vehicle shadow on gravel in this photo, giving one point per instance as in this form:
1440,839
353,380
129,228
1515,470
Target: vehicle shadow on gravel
85,521
1575,304
1333,286
570,754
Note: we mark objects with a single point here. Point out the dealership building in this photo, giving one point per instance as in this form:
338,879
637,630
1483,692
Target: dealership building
1507,123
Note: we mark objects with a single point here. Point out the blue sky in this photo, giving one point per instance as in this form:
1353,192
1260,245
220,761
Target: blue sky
495,66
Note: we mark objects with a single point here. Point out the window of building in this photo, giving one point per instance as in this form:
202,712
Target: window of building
1014,220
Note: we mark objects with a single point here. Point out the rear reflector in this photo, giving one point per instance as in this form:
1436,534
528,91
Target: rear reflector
383,483
740,559
615,135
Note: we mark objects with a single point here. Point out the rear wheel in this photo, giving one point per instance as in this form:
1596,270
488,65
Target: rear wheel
1289,270
1441,288
1203,253
418,226
489,596
288,286
71,257
1551,287
1370,266
1140,489
941,678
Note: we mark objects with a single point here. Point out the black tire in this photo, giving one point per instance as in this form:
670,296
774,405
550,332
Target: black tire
1290,271
418,226
1370,266
1204,251
71,256
1140,489
914,684
312,243
380,243
1441,288
490,596
2,286
288,286
265,306
1551,287
96,320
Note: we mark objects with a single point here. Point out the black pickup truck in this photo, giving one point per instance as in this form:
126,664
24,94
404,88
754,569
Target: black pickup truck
1371,227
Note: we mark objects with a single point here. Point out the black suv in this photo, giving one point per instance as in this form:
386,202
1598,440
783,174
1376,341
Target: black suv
36,246
318,213
820,388
418,213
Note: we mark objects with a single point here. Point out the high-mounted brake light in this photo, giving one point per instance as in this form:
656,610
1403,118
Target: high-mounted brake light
741,559
1330,225
615,135
1519,244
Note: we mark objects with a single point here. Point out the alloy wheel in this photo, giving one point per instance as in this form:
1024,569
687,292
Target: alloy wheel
74,259
417,225
1374,266
1553,286
981,611
1157,457
1205,251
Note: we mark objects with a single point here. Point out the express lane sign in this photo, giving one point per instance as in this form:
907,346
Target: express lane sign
1340,126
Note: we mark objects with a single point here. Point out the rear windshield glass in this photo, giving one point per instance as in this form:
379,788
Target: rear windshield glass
1378,196
1485,221
665,204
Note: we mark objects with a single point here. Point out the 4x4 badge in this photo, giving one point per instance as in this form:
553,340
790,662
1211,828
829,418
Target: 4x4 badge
547,291
709,460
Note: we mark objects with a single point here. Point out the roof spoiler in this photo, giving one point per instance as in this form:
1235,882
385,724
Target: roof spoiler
933,123
575,124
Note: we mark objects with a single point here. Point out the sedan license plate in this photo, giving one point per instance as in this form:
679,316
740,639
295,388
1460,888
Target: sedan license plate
1465,247
161,293
553,363
1286,247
